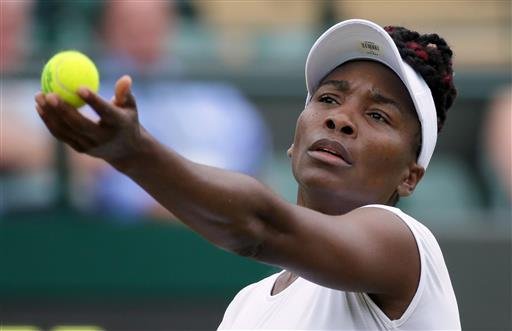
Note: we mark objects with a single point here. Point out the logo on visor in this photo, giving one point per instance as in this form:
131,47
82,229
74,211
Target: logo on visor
369,47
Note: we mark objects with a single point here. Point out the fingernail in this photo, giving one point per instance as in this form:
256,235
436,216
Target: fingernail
52,100
83,92
40,99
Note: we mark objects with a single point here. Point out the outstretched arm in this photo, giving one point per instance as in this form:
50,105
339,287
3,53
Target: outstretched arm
366,250
220,205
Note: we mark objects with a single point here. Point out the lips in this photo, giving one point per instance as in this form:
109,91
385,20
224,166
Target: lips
332,147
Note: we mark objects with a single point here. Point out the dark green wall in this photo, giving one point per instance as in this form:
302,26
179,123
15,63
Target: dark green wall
71,256
70,268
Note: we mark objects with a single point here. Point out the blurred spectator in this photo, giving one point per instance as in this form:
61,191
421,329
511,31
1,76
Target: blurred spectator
136,37
497,147
26,158
208,122
14,34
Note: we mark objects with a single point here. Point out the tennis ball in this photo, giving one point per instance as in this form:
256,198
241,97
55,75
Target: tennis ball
67,71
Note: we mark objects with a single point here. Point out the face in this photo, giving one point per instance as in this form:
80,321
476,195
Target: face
138,28
357,138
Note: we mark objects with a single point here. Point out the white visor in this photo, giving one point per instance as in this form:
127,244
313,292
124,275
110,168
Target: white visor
362,39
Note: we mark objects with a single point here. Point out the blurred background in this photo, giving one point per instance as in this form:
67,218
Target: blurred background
222,82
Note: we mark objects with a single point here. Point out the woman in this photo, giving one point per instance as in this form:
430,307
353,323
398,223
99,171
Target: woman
351,261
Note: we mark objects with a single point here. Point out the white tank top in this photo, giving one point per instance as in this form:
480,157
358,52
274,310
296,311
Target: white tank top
304,305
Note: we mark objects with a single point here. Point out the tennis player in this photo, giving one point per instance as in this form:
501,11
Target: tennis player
351,260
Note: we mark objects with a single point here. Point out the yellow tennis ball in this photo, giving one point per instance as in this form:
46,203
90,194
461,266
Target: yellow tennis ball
67,71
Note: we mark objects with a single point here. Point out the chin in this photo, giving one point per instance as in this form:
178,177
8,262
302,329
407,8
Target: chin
337,189
317,179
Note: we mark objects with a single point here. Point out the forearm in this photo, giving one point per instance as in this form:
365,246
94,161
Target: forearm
227,208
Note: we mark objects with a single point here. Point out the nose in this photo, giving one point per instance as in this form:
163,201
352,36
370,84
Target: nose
341,122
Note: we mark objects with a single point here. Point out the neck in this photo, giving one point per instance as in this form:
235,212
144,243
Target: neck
327,203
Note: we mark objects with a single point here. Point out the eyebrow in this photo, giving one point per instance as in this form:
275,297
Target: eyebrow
340,85
378,97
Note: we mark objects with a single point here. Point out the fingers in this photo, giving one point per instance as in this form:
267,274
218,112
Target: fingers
123,96
52,104
40,102
65,122
74,119
62,132
123,86
84,135
103,108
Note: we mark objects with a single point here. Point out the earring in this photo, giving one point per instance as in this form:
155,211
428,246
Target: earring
289,151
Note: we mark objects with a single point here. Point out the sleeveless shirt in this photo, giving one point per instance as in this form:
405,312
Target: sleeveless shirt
304,305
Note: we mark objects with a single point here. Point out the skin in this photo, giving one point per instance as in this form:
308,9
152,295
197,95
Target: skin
379,135
374,251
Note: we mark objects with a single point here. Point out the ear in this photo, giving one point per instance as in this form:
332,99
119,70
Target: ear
289,152
411,178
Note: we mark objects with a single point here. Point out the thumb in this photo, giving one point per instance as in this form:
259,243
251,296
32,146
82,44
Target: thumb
123,96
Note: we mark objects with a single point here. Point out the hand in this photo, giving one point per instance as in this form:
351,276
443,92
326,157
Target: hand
116,136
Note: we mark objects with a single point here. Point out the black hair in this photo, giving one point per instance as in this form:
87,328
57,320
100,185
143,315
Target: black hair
431,57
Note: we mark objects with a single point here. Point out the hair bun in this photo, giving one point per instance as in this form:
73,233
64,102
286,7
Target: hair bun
431,57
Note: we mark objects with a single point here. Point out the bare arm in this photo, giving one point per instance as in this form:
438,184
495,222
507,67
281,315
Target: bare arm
365,250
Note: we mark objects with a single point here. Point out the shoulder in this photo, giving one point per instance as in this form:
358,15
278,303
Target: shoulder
386,224
419,231
434,289
421,240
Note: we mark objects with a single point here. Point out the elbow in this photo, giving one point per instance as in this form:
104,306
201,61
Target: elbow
250,251
255,225
249,238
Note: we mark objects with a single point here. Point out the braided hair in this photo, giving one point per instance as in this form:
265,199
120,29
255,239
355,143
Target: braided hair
431,57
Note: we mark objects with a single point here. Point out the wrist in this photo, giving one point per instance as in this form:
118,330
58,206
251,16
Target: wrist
140,152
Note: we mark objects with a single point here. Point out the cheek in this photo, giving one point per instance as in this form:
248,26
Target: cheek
304,123
299,128
385,156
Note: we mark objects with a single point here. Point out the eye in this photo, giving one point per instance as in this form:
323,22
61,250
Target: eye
377,116
327,99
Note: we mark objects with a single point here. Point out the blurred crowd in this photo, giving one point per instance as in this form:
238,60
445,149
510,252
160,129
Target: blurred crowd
209,121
